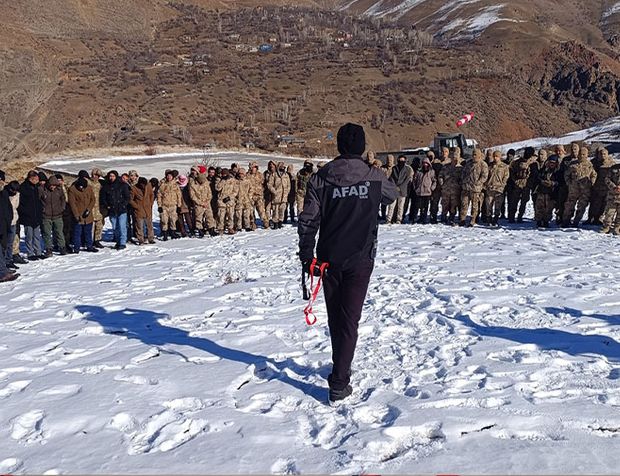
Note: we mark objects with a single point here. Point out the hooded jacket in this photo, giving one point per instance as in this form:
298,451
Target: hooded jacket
425,182
52,201
342,204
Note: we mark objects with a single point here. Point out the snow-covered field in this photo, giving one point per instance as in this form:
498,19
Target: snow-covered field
481,351
155,166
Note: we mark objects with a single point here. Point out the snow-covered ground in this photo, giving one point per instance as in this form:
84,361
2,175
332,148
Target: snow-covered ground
481,351
156,165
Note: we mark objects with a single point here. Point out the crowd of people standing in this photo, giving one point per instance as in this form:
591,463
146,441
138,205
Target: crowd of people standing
52,216
489,188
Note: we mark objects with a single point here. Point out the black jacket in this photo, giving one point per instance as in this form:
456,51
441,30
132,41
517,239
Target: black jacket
30,208
342,201
115,197
6,217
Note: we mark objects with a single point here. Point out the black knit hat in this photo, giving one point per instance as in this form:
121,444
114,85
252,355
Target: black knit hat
84,174
42,177
351,139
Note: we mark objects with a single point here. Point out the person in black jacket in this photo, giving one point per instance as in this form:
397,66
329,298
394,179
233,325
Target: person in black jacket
115,196
31,215
342,204
6,217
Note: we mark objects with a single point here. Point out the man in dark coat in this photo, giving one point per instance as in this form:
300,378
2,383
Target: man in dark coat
115,196
342,204
6,217
31,215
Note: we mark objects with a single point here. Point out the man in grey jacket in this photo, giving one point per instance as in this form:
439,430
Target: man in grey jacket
402,175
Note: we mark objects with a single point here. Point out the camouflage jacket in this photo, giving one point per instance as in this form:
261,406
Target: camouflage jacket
475,176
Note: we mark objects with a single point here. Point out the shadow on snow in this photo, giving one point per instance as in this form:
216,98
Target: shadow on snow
145,326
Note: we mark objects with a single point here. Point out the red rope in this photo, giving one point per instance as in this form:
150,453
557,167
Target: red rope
308,312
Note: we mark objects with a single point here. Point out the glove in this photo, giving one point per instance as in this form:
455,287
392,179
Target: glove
226,200
160,210
86,213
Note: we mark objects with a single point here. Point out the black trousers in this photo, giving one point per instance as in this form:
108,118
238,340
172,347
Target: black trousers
345,291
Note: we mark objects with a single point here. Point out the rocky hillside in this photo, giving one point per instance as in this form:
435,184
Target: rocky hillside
93,73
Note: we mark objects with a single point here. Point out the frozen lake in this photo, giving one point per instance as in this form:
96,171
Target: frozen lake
156,165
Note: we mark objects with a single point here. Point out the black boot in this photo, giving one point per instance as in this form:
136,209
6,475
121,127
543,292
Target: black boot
336,395
164,235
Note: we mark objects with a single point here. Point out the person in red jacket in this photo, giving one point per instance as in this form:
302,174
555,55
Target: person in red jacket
342,204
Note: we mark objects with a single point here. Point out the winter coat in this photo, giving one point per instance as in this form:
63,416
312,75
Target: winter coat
602,171
389,166
80,201
301,182
474,176
142,201
200,193
498,177
425,183
257,185
342,205
97,212
243,199
292,185
30,208
402,177
548,182
519,173
450,178
114,197
227,191
279,186
186,199
52,201
438,165
169,195
6,217
581,175
613,182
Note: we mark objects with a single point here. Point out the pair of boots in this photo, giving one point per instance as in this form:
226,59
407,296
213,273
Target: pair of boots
168,233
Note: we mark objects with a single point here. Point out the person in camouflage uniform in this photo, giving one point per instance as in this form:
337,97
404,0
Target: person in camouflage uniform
450,183
201,195
257,195
292,199
580,177
546,192
602,164
169,201
438,164
243,206
301,184
495,186
474,177
99,219
565,163
279,186
611,217
271,170
227,192
518,192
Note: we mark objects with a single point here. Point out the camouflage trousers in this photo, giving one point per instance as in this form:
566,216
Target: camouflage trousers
277,212
475,200
579,198
611,217
493,203
543,207
299,200
225,215
98,228
243,216
204,216
257,204
168,218
597,205
450,201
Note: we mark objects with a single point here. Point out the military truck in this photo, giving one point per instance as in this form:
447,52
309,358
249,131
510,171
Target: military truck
452,140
